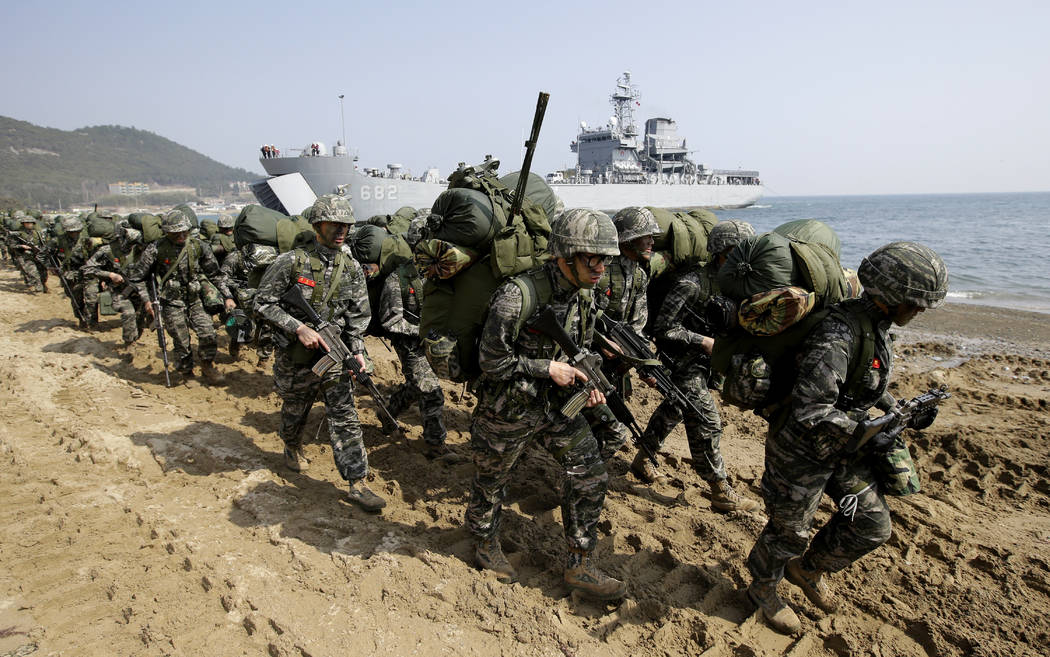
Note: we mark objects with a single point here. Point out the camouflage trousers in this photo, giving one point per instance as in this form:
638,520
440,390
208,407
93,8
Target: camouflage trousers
76,286
178,320
703,431
422,387
122,303
34,272
792,486
497,443
299,388
90,291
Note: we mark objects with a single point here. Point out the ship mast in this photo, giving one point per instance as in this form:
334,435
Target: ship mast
623,101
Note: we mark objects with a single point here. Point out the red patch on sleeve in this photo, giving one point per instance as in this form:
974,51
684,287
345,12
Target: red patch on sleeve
876,364
306,281
411,290
166,261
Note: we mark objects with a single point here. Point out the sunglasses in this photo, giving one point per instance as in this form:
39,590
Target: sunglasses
594,261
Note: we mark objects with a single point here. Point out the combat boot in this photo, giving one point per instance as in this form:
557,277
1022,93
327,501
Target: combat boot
582,576
644,469
295,459
488,554
362,496
442,454
779,616
724,498
210,374
812,584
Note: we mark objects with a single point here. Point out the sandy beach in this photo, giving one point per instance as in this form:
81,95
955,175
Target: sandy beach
139,520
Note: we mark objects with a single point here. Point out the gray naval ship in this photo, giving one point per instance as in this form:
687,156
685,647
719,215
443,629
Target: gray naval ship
616,167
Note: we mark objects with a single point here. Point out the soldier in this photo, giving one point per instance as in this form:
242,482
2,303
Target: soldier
178,262
808,447
71,251
222,244
620,294
30,245
333,283
243,269
111,264
397,319
686,351
521,389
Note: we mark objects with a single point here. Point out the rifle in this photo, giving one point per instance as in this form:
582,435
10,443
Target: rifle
546,322
915,413
338,352
159,326
530,149
52,260
635,353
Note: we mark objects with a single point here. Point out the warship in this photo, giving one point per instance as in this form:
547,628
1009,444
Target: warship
616,167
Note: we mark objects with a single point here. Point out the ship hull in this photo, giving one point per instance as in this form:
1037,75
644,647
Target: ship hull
613,196
369,195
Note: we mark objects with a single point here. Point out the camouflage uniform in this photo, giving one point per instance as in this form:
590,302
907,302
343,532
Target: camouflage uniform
518,402
679,340
806,450
71,251
316,270
222,244
180,294
397,319
118,257
32,265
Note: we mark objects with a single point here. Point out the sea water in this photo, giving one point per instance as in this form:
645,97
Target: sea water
996,246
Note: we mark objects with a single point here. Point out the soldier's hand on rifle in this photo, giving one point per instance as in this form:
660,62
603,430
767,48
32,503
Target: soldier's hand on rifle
230,305
596,398
310,338
564,374
360,358
149,309
707,344
614,350
883,441
115,278
649,381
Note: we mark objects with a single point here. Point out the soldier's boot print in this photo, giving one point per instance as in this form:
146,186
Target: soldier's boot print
362,496
780,617
488,554
724,498
812,584
211,374
294,458
581,575
644,469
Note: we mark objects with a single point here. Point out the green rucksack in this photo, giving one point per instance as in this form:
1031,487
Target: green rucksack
374,245
682,241
258,225
490,247
395,224
208,229
100,227
148,224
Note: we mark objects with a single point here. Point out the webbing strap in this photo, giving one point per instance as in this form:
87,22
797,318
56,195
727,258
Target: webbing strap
175,265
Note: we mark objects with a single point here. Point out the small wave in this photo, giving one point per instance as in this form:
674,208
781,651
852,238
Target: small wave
761,207
967,294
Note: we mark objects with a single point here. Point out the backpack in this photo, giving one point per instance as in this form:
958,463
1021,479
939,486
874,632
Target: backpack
682,241
464,260
208,228
148,224
395,224
760,371
258,225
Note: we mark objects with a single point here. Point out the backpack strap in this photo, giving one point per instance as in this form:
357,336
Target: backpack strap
863,350
174,265
321,295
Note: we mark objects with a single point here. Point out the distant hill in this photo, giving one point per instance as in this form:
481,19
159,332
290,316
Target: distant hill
46,166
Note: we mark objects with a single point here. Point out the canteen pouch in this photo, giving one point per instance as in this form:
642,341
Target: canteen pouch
105,303
895,470
747,381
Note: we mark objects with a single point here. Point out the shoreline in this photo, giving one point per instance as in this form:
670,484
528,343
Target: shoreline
979,329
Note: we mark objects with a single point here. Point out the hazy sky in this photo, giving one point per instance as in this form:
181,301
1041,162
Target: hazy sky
820,97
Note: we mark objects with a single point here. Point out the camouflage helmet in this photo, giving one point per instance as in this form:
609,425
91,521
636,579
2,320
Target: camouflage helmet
581,230
175,221
634,222
18,215
72,224
26,218
331,207
727,234
225,221
905,272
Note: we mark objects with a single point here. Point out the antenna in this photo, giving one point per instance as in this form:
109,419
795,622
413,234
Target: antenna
342,120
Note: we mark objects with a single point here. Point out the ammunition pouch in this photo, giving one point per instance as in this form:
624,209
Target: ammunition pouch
210,297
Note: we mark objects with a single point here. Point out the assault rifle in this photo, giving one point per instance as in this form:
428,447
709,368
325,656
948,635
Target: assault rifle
52,259
158,324
530,148
546,322
338,352
917,413
635,353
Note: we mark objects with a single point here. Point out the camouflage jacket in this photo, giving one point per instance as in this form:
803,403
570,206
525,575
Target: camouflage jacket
182,287
675,330
347,307
112,257
620,293
511,353
235,270
820,412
